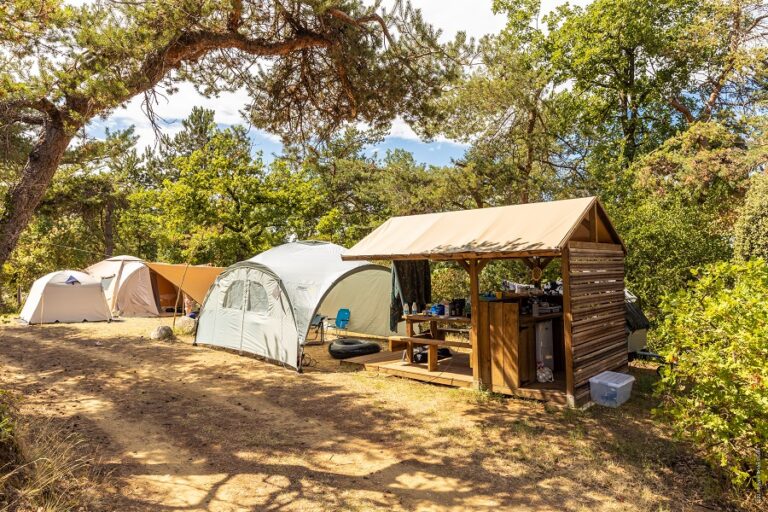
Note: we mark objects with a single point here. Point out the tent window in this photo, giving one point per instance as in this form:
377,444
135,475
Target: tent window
257,298
233,298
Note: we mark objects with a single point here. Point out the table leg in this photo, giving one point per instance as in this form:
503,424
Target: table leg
432,358
409,352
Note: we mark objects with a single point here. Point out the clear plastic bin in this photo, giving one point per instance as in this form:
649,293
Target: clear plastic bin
611,389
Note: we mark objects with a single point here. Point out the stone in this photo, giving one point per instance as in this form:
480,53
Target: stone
186,325
162,332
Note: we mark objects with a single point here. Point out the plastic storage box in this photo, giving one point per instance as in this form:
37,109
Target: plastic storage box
611,388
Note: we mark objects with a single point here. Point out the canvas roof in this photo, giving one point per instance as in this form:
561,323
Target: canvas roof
194,280
533,229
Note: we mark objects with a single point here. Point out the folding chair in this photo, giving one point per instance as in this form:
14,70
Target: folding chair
317,325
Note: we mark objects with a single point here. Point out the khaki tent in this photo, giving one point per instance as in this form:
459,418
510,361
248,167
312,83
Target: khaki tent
522,230
129,286
265,305
65,296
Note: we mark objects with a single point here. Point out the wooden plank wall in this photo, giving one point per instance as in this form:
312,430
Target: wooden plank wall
498,334
598,336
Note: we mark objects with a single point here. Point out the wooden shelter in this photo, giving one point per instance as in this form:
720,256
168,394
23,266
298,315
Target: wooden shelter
591,336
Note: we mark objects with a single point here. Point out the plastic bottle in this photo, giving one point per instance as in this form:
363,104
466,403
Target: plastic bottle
414,308
406,310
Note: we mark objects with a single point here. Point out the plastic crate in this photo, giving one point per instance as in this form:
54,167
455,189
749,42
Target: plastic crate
611,389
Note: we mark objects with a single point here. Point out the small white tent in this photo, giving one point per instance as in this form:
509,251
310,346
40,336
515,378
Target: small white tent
265,305
127,285
65,296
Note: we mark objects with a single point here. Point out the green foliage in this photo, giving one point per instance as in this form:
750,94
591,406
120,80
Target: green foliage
752,224
665,238
716,393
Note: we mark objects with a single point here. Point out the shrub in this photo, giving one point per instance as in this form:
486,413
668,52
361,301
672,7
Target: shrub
716,393
751,230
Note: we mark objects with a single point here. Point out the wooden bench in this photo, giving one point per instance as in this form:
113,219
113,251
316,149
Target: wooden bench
432,345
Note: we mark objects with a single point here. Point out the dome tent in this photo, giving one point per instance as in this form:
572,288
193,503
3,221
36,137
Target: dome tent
265,305
65,296
127,284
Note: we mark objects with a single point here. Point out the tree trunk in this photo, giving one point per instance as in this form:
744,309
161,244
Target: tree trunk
23,197
109,226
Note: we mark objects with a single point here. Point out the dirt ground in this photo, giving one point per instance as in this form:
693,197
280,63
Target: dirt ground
174,427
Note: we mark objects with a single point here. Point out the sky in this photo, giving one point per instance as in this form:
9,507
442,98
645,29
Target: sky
474,17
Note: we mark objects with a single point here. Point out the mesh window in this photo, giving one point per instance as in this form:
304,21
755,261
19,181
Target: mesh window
233,298
257,298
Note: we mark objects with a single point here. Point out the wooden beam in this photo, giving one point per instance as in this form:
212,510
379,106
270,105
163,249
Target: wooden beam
453,256
593,233
568,328
474,300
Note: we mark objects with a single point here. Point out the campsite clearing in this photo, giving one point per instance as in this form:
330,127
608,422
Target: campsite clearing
178,427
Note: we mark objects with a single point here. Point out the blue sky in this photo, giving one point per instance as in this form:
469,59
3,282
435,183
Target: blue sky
472,16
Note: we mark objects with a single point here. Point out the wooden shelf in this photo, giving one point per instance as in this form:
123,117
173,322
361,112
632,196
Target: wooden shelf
430,318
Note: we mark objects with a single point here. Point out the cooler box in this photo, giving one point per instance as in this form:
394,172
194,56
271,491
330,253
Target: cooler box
611,389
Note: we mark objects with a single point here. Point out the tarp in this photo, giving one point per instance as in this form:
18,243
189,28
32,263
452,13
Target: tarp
194,280
127,285
524,229
65,296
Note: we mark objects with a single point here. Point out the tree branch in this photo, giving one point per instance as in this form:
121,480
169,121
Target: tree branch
362,21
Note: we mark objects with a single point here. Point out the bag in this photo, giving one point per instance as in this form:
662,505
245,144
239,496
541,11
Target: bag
421,354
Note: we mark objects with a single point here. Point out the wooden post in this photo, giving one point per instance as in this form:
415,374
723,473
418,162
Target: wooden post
568,327
480,361
593,223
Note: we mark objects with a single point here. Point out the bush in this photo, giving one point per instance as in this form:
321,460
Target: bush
716,393
751,229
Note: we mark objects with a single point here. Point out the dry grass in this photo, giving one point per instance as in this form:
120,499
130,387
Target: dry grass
43,469
189,428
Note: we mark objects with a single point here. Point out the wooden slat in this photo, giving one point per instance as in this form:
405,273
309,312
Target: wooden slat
601,351
597,308
598,298
511,345
602,277
586,259
484,345
604,336
602,317
582,374
496,340
576,247
598,329
587,289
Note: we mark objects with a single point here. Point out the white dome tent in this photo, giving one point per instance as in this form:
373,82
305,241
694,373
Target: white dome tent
127,284
265,305
65,296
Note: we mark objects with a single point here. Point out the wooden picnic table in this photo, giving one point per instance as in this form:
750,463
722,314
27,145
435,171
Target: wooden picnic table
434,339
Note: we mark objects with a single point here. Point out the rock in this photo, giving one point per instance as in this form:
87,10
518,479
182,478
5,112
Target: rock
162,332
186,325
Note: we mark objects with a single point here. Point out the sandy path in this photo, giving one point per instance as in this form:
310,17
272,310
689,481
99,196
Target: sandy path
190,428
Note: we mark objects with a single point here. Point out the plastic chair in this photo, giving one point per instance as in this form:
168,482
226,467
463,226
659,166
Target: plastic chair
341,321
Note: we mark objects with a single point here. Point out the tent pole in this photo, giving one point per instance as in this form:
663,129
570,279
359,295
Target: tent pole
115,286
178,294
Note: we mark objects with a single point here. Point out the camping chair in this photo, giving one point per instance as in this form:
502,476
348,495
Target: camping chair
317,325
341,322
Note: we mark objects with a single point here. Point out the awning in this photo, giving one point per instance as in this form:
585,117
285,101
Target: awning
533,229
194,280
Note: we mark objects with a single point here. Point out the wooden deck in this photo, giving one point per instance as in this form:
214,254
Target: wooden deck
453,371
